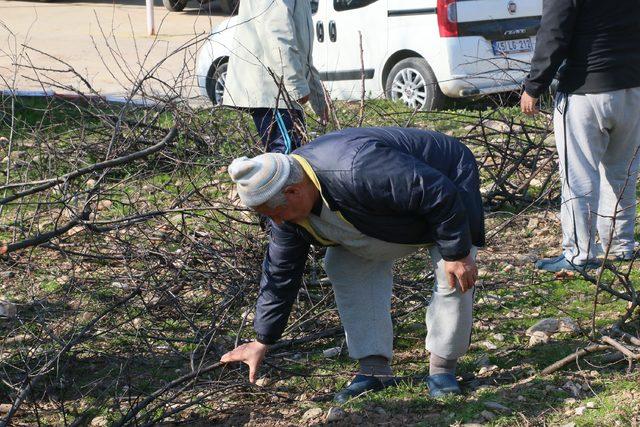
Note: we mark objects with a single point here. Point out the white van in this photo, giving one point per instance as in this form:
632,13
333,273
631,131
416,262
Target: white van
416,51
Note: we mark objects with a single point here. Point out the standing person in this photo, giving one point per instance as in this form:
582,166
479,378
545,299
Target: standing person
372,195
596,122
271,70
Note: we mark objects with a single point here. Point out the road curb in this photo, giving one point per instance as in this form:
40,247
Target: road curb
74,97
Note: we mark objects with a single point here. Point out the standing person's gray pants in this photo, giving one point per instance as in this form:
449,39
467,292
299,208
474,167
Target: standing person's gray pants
597,136
363,288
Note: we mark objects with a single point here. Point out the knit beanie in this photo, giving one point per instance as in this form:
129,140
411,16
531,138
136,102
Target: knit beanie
260,178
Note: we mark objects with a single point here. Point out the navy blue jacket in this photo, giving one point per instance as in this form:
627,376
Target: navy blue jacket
398,185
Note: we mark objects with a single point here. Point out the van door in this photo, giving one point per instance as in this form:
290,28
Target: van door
320,41
346,21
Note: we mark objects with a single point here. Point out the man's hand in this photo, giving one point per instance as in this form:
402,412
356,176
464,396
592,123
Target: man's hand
464,271
251,353
528,104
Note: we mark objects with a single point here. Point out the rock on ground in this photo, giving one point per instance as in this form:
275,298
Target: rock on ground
335,414
552,325
497,407
99,422
8,309
488,415
331,352
538,337
311,414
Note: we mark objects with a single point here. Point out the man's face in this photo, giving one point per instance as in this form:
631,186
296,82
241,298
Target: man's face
298,206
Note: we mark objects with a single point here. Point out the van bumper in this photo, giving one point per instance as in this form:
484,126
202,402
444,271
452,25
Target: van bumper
466,86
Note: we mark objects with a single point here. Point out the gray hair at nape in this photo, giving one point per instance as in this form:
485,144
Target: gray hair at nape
296,175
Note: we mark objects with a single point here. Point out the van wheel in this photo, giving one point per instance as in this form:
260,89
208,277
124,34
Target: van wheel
412,81
229,7
174,5
216,79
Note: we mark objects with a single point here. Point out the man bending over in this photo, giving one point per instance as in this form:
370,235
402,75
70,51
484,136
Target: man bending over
371,195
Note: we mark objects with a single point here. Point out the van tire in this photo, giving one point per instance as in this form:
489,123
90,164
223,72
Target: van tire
174,5
413,82
215,82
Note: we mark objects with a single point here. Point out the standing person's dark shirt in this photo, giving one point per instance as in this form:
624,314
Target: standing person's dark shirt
599,40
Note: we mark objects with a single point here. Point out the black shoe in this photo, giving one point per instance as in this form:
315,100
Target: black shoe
358,385
443,385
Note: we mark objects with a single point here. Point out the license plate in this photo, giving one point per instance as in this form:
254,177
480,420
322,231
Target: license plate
505,47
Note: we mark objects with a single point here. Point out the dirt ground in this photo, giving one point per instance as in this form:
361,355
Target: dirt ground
104,41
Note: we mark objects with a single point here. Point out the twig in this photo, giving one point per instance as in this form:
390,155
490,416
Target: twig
573,357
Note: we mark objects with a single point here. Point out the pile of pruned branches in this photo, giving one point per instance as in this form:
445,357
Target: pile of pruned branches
132,266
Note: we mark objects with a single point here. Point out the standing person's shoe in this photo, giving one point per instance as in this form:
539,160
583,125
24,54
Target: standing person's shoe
443,385
560,263
358,385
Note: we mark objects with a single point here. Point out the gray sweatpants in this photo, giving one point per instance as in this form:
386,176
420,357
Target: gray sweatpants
363,288
597,136
361,273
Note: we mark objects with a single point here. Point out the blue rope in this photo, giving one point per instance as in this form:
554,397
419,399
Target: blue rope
283,131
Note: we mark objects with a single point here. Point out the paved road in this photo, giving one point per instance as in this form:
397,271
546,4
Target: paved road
104,41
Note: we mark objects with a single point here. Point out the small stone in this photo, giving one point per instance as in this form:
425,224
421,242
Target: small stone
99,422
568,425
497,125
248,315
533,223
572,387
311,414
489,345
487,369
590,405
104,204
5,407
8,309
538,337
498,337
549,326
335,414
483,360
137,322
331,352
488,415
90,183
580,410
567,324
261,382
521,398
120,285
570,401
497,407
380,411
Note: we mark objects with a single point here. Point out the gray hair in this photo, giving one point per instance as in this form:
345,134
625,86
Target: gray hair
296,175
